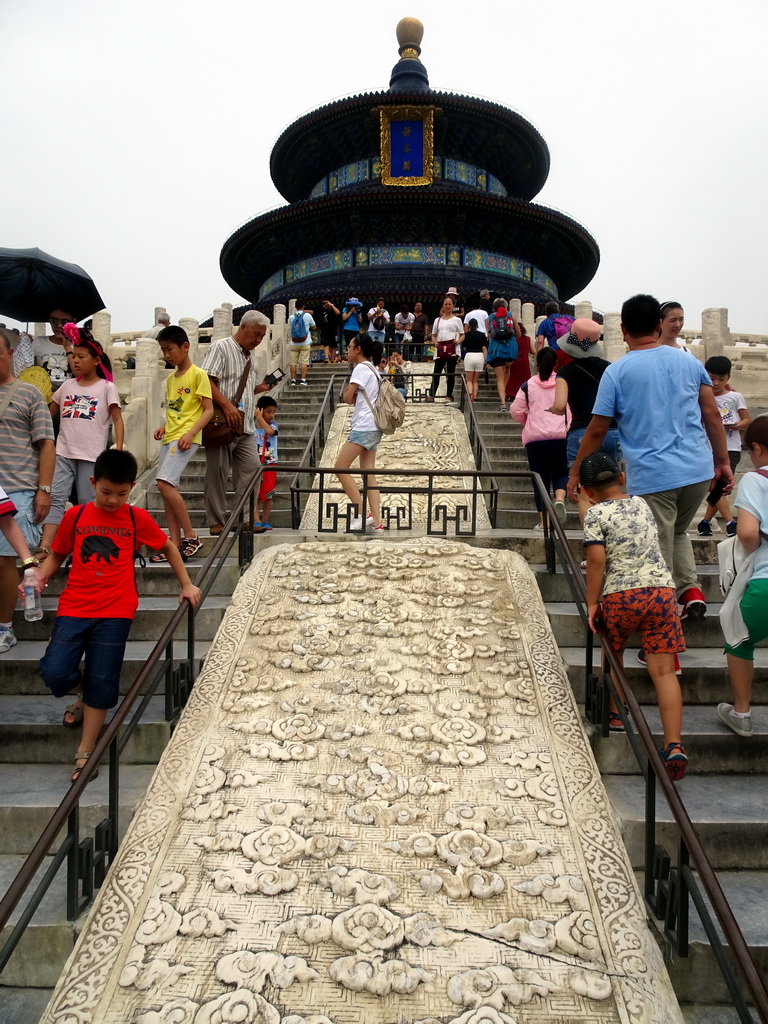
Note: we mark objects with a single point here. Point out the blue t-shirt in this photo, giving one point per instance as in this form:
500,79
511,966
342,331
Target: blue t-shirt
271,450
753,497
654,396
353,322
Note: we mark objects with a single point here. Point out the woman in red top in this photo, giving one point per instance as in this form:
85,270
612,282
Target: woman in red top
520,371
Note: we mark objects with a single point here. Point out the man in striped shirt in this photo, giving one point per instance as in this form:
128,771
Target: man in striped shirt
27,460
224,363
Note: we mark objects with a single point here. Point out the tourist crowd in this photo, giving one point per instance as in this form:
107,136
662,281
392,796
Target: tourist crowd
673,424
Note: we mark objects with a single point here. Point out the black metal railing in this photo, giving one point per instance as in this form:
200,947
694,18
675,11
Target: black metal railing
310,478
671,881
88,859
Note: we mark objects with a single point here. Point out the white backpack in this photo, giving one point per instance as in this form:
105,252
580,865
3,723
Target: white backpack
388,409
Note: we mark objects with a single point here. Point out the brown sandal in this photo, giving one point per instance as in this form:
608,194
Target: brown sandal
83,755
76,711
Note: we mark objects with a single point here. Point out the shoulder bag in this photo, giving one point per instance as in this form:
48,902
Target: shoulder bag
218,431
6,399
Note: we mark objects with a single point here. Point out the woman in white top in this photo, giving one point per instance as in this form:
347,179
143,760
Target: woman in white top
672,321
364,435
447,335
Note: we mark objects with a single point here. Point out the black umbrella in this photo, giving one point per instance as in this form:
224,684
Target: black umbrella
33,284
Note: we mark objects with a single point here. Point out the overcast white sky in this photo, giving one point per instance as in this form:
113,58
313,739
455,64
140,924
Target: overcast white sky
136,133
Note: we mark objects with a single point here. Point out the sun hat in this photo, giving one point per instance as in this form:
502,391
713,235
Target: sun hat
452,291
354,302
583,341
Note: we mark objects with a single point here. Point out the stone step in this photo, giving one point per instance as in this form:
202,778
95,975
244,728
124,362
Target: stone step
555,587
151,617
699,1013
730,815
698,973
48,940
32,731
23,1005
19,667
28,799
712,748
158,580
704,678
279,517
569,631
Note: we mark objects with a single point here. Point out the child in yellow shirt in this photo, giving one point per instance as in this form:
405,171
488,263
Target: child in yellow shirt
188,409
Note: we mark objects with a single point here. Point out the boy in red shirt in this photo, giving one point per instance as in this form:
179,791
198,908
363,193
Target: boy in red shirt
100,599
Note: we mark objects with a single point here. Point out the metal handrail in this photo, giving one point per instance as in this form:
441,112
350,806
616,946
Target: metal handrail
651,765
69,805
654,772
317,437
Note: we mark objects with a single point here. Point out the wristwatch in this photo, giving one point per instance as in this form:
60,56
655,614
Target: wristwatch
44,487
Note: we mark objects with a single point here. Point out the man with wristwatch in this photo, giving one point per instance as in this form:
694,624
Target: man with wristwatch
27,461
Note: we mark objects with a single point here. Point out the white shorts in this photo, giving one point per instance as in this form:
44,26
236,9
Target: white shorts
172,462
474,362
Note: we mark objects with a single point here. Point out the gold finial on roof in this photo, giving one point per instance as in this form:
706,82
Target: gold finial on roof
410,32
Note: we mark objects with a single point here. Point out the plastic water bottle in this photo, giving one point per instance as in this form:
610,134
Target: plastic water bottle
33,602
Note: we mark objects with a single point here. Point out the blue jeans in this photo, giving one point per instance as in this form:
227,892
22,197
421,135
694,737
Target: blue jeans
376,335
102,641
610,445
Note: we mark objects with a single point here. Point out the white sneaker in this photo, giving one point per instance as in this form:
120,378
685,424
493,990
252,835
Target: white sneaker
7,640
561,512
741,726
357,522
302,381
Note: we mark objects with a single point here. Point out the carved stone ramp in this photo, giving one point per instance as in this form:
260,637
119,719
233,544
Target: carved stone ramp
433,437
379,807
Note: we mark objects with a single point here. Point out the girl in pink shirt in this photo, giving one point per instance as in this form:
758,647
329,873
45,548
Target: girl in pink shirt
86,406
544,432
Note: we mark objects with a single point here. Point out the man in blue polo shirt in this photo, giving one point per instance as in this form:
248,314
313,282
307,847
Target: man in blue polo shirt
663,404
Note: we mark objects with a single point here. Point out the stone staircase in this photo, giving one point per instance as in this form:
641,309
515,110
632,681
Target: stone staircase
36,751
725,790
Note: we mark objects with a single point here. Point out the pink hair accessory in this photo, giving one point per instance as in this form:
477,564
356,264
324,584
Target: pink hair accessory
72,331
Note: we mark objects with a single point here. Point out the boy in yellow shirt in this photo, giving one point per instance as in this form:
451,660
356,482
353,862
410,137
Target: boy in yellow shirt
188,409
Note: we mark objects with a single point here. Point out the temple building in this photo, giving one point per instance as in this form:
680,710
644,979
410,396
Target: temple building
404,194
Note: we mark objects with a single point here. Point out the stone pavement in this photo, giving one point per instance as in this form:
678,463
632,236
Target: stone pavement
379,805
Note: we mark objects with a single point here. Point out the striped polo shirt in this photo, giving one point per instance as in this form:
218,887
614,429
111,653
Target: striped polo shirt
25,422
225,362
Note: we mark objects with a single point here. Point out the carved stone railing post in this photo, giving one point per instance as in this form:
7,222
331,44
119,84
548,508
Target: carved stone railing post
529,320
583,309
102,328
279,315
515,308
291,307
159,311
192,329
613,339
715,334
222,323
142,412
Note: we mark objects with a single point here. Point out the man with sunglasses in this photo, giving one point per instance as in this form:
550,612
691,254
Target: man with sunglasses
53,353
